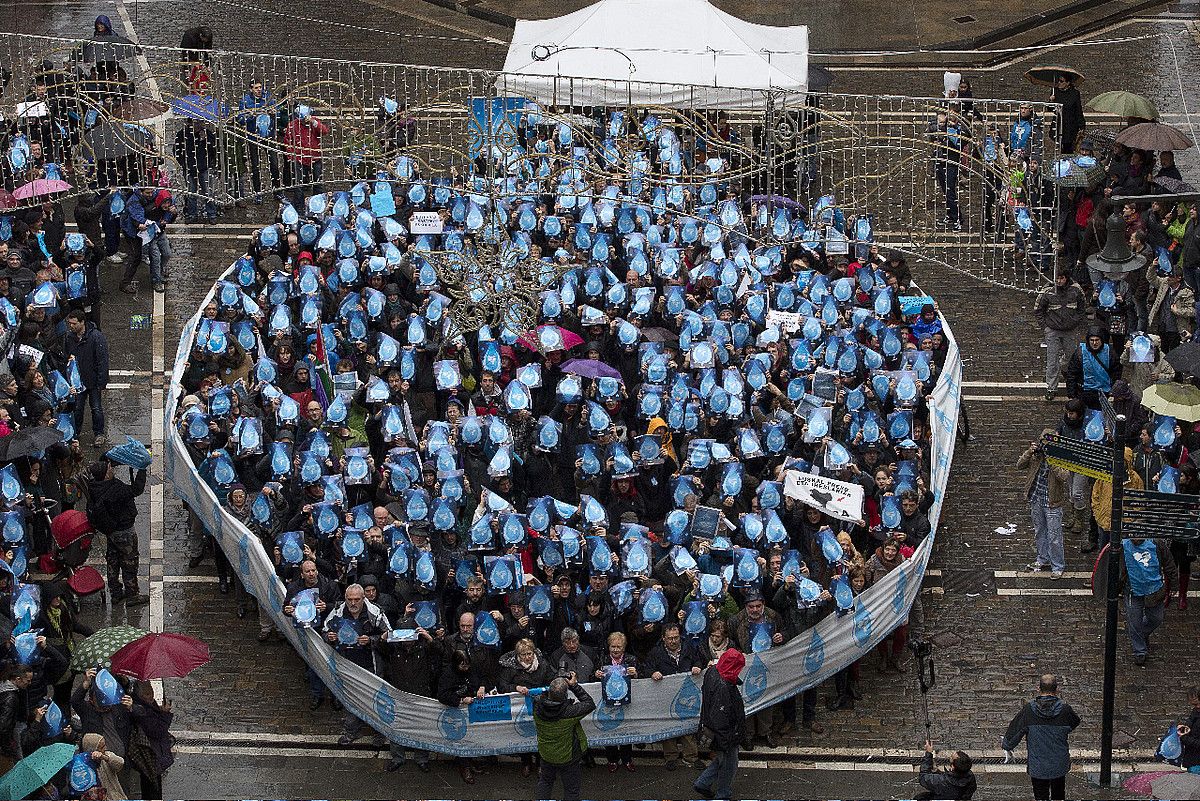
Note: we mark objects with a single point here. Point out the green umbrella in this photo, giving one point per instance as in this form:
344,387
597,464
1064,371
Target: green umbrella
97,650
1124,104
32,772
1181,401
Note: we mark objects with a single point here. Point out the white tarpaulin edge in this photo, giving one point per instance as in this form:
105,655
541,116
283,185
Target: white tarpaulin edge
659,710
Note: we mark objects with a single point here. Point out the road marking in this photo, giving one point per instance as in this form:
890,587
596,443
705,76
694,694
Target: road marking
1005,384
131,373
158,340
1024,574
793,758
1003,398
200,579
1048,591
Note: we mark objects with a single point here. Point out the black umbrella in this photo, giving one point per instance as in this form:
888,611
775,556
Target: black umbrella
1186,358
109,47
29,441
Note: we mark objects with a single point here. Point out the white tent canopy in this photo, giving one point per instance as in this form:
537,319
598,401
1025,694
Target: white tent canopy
653,52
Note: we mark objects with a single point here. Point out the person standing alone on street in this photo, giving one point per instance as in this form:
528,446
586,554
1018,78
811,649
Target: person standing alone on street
1044,723
1061,311
87,345
722,712
561,739
112,511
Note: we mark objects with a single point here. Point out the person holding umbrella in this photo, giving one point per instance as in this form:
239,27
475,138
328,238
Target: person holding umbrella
1071,119
151,742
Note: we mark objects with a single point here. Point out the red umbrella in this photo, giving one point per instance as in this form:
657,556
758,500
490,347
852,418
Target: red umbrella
160,656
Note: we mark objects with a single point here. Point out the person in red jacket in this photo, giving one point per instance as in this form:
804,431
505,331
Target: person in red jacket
302,144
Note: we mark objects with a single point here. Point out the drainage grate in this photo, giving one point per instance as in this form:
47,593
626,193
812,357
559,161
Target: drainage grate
964,19
973,581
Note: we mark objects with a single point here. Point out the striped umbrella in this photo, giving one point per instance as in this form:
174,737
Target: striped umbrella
97,650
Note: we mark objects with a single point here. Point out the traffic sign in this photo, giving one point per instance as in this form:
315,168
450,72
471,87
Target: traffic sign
1167,515
1086,458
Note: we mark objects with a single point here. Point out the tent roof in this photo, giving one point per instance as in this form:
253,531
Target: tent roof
676,42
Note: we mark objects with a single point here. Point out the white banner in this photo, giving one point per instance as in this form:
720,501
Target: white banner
788,322
425,222
835,498
660,709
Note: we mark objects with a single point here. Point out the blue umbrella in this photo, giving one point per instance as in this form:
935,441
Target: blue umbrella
198,107
32,772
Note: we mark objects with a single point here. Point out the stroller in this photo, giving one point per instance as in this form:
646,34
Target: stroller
73,534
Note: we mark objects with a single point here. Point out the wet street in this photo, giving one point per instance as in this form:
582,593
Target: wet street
242,721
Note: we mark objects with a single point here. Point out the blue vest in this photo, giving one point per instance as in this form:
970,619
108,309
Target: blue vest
1141,563
1095,368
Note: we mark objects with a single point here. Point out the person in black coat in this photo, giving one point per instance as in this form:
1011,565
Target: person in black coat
673,654
459,686
88,346
956,783
722,712
112,510
1072,112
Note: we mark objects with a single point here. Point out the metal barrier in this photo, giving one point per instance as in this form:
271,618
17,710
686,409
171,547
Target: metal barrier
125,121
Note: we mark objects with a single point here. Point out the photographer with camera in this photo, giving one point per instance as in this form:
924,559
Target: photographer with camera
561,739
1047,490
956,783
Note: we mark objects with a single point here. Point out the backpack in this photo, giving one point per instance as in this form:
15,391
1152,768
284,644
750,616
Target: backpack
99,515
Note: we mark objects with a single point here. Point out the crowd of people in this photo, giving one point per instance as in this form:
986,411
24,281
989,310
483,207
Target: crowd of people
470,511
1109,337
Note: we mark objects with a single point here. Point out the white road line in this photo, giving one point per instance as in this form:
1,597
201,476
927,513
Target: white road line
189,579
131,373
1004,384
1048,591
158,340
789,760
1003,398
1025,574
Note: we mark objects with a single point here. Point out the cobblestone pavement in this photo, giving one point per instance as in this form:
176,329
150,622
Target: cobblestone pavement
994,632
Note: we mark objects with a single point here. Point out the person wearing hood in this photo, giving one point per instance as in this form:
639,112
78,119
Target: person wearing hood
561,739
1092,369
723,712
1044,723
1046,490
956,783
108,765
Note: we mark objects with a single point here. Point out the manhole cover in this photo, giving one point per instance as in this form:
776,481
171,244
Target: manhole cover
964,19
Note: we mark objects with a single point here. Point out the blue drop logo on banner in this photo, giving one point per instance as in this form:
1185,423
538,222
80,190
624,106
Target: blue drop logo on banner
385,707
754,680
523,720
901,591
863,626
814,657
686,704
453,724
608,717
338,683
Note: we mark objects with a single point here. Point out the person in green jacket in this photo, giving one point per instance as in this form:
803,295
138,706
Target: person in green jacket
561,739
